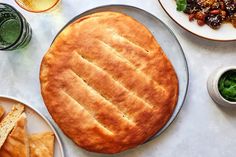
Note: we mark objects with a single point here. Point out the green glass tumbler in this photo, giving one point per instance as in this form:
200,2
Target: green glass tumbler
15,32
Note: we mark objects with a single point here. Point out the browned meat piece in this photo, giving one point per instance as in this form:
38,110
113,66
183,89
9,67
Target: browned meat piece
206,3
233,20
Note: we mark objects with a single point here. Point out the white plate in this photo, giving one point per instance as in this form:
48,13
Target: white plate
36,123
226,32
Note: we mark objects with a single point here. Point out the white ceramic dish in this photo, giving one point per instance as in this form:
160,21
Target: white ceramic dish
226,32
212,86
36,122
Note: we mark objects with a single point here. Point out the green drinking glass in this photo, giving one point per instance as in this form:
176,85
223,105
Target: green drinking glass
15,32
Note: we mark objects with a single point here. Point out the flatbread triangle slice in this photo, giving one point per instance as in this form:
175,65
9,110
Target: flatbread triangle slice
42,145
17,144
8,123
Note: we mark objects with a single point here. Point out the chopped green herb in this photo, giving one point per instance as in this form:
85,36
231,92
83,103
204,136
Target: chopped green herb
227,85
181,5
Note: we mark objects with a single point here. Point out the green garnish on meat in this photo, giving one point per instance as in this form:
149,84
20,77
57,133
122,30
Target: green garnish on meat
181,5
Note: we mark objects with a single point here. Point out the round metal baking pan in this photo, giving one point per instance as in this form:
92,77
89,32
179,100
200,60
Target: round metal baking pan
165,37
36,121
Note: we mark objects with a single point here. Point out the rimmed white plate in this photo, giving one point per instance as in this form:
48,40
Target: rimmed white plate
36,122
226,32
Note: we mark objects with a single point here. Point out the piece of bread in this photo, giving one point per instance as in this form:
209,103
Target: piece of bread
17,144
42,145
8,123
107,83
1,112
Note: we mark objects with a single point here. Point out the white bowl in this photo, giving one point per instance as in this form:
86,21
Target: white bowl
212,86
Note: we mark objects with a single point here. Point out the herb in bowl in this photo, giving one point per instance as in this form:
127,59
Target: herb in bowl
227,85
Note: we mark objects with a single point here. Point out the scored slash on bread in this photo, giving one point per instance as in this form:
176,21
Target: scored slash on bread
9,122
1,112
42,144
17,144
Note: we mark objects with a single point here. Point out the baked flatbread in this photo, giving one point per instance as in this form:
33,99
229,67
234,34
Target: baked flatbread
42,145
107,82
16,144
9,122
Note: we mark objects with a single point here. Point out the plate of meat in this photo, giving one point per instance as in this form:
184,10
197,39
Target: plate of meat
209,19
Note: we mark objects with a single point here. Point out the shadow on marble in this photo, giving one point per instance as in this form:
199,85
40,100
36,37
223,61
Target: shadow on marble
217,46
207,43
137,152
230,111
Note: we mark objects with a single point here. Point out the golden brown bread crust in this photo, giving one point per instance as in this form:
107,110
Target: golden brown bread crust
107,83
9,122
1,112
42,144
16,144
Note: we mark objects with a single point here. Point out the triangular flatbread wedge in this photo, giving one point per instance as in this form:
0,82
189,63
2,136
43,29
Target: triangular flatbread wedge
1,112
17,144
42,145
8,123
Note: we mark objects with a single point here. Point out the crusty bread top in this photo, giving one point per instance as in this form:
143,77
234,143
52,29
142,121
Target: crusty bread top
42,145
107,83
1,112
8,123
16,144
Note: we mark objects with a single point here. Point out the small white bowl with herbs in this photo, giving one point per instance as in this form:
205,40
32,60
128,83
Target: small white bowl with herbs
222,86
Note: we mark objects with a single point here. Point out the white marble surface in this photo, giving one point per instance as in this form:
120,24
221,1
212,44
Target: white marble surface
201,129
